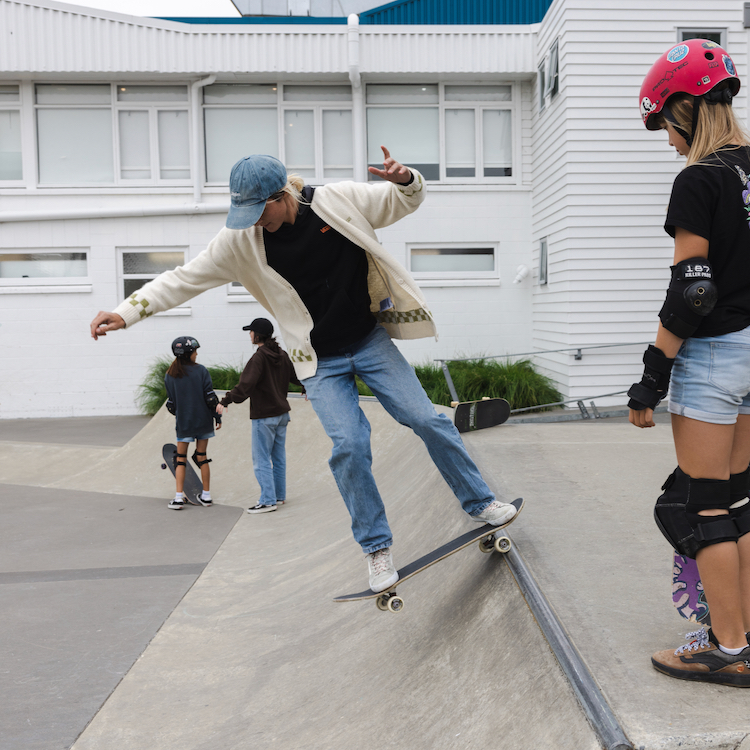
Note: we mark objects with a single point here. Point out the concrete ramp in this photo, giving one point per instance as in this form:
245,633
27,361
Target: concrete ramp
257,655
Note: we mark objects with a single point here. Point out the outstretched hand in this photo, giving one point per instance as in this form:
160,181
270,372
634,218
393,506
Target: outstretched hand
392,170
104,322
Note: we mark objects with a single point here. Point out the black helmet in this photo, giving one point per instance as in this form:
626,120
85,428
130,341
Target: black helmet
184,345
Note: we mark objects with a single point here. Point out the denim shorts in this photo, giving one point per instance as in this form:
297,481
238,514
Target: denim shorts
207,436
711,378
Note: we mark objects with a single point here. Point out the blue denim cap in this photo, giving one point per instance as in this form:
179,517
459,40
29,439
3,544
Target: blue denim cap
253,181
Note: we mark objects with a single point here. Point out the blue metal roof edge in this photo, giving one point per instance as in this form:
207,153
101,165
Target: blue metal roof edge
258,20
442,12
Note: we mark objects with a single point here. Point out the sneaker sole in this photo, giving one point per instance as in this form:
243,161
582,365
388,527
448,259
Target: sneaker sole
392,581
730,680
267,509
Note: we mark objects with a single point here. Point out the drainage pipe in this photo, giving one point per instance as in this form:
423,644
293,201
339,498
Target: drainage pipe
197,135
113,213
359,152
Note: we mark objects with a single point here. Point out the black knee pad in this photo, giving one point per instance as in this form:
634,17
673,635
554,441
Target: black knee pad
677,512
740,502
200,463
175,459
710,494
670,517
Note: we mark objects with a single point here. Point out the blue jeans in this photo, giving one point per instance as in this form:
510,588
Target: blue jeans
332,392
269,457
711,378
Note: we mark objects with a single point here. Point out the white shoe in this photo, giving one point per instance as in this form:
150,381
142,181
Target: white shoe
383,572
496,513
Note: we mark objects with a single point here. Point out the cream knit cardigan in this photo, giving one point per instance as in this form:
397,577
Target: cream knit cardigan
355,210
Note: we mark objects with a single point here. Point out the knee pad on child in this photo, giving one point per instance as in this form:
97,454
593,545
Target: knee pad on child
740,505
710,494
198,462
677,512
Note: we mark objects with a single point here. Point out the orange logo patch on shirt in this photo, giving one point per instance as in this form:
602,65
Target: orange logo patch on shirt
325,229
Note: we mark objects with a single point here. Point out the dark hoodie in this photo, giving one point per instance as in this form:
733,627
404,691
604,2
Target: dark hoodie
265,381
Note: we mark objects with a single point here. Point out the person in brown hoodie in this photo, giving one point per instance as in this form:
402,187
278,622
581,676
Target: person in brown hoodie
265,381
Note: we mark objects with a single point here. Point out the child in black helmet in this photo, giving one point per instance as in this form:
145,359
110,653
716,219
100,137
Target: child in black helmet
192,400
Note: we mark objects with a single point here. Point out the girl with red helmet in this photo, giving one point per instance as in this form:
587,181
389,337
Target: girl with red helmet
703,344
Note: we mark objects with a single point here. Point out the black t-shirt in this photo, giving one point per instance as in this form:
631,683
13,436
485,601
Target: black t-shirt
712,200
330,275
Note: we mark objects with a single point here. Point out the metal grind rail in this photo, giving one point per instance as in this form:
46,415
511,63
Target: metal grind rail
592,701
578,356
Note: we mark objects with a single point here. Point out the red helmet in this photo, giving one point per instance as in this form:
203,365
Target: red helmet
695,67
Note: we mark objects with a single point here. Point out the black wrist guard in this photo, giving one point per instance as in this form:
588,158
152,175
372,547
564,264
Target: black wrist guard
654,383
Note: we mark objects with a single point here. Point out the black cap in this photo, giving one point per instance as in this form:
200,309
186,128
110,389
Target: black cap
261,326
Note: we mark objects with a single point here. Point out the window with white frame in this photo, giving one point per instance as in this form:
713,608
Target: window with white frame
309,128
448,132
118,134
11,168
553,69
453,261
543,261
718,36
43,266
139,265
541,85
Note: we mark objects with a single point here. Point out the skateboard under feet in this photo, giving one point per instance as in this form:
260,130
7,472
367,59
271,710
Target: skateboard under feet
487,537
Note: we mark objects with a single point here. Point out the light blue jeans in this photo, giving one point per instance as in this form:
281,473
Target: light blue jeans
269,457
711,378
332,392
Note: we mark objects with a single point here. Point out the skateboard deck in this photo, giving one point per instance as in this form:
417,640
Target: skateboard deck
687,591
487,537
478,415
193,486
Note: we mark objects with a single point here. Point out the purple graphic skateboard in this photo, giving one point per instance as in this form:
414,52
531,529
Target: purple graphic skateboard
687,590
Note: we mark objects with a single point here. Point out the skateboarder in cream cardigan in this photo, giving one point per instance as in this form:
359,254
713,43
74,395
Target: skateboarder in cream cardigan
310,256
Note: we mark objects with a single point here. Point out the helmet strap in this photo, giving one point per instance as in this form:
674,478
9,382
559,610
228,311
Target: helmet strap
667,112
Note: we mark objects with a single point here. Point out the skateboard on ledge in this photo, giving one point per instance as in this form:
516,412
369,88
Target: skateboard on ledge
487,536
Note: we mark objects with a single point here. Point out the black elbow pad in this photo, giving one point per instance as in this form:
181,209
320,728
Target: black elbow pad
212,400
171,408
691,296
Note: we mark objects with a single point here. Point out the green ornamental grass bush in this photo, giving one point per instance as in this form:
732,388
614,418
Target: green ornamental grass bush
517,382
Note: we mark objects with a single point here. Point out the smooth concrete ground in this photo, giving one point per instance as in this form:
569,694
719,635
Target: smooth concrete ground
256,655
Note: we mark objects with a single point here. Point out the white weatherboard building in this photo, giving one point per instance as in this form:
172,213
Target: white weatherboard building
117,134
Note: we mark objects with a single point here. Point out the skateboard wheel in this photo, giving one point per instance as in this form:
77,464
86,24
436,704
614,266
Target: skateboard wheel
382,602
395,604
163,466
503,544
487,544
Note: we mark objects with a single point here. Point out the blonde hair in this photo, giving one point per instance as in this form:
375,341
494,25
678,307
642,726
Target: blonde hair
717,126
293,187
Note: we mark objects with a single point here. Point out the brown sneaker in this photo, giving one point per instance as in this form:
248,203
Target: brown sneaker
702,660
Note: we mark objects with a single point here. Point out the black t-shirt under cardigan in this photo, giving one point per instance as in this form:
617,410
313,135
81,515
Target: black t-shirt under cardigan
712,200
329,273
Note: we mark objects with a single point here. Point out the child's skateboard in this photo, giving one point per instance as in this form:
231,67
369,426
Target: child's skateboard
488,540
193,486
476,415
687,591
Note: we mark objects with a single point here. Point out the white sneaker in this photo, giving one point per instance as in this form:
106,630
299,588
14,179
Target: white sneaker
382,570
496,513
